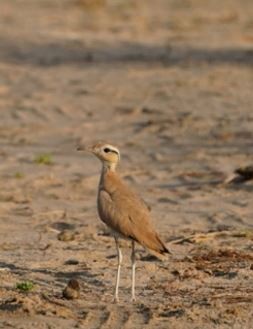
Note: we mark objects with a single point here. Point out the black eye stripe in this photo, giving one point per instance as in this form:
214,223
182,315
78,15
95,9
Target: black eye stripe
107,150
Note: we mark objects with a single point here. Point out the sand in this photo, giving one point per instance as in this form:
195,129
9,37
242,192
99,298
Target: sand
169,82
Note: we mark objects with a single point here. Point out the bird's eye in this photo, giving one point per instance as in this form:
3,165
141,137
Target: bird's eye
106,150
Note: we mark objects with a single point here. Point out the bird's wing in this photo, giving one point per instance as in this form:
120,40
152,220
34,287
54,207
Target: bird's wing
126,214
145,204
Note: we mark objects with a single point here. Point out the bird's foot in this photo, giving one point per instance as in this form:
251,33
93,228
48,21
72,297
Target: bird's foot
115,299
133,299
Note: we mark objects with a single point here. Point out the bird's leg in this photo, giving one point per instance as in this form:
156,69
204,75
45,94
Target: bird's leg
133,272
116,294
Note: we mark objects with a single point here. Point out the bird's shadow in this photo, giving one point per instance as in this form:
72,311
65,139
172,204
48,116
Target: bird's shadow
69,52
9,306
61,276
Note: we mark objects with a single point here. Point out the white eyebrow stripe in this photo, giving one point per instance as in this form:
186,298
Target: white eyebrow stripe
113,149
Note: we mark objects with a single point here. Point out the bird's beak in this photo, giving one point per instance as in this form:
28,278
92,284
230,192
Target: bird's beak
86,148
80,148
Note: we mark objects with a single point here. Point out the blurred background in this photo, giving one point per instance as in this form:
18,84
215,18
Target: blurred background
168,81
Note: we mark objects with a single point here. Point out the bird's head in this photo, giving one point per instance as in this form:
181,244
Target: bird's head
107,153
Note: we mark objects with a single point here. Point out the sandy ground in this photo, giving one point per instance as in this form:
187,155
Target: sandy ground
169,82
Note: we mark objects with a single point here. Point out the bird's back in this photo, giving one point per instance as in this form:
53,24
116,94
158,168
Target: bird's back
126,213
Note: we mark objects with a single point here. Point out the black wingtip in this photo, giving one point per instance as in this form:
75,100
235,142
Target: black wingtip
167,251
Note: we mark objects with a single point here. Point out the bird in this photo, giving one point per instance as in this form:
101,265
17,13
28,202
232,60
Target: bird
241,175
123,210
245,172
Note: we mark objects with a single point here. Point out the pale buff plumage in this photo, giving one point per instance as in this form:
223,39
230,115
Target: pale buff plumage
125,213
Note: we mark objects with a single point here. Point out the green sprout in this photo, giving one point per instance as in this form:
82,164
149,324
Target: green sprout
25,286
45,159
19,175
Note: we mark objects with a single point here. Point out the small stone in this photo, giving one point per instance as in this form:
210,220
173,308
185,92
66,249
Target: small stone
71,262
72,290
66,235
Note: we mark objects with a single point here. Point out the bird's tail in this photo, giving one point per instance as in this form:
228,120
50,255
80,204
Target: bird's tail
154,243
163,249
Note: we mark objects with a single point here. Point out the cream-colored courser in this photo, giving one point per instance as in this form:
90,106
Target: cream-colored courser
122,210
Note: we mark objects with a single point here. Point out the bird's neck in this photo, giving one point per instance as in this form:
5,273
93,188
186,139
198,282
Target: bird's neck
108,166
